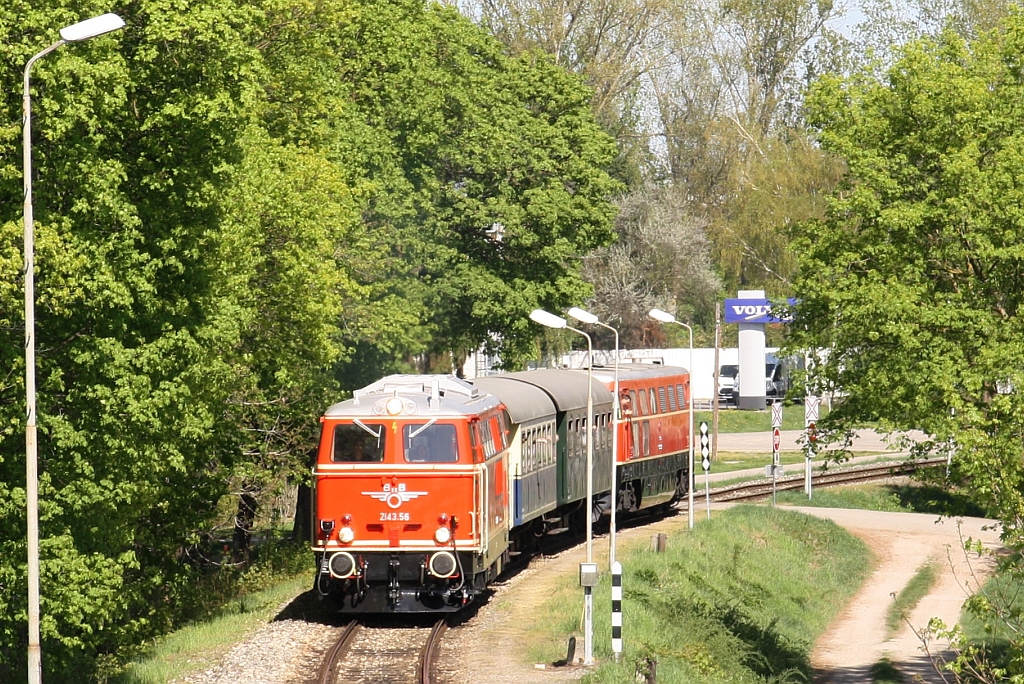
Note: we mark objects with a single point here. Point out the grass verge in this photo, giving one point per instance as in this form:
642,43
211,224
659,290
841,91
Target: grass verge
908,598
897,498
196,647
740,598
734,420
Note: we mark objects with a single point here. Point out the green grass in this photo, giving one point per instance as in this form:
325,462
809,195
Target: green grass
908,598
883,672
198,646
729,461
740,598
734,420
905,498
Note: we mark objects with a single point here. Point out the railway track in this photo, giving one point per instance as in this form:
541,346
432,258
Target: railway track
379,655
761,488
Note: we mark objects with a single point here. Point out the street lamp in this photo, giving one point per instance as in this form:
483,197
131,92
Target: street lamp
590,319
666,317
550,320
90,28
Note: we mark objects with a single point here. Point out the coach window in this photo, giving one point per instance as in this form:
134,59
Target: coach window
671,398
358,442
430,443
643,402
654,402
647,438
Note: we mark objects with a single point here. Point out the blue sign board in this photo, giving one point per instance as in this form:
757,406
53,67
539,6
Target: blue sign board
753,311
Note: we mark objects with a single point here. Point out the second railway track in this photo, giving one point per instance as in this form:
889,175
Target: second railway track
760,488
383,655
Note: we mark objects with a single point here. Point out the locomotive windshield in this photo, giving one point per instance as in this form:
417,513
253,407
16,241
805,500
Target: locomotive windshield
359,442
430,443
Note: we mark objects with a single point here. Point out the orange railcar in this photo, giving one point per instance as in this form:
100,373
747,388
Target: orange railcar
411,499
426,486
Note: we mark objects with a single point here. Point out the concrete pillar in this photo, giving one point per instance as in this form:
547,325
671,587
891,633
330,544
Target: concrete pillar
751,360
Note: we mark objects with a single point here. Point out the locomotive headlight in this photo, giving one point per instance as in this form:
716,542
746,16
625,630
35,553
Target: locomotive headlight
394,406
346,535
442,535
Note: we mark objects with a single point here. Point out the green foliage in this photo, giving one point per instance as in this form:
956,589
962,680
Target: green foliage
740,598
912,284
233,201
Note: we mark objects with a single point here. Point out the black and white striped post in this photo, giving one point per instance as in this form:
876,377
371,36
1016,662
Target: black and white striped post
617,609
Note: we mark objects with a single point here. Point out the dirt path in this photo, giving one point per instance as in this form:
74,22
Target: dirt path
902,542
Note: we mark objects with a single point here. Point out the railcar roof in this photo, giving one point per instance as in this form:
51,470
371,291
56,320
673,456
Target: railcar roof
432,396
635,371
567,389
525,402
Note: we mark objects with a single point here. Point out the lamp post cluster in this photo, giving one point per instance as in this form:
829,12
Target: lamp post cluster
90,28
550,320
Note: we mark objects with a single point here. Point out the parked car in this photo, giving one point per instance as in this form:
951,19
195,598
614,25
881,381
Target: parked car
776,379
728,383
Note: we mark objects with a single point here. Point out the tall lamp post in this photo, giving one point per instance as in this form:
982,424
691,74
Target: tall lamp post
590,319
588,577
90,28
666,317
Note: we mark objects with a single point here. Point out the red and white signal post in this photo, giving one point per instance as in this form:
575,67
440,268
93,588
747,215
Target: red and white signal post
810,421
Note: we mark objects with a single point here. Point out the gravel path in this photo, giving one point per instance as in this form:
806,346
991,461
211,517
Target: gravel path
902,543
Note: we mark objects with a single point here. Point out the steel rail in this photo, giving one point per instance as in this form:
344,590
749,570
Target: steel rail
430,651
336,653
762,487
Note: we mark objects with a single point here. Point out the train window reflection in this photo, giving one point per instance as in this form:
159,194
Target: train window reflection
429,443
358,442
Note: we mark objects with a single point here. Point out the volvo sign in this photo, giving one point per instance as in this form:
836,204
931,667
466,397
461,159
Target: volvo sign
754,311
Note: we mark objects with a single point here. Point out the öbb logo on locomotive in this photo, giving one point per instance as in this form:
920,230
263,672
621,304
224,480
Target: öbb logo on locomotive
427,486
394,497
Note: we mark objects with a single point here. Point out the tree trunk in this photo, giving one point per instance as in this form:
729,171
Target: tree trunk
243,527
303,513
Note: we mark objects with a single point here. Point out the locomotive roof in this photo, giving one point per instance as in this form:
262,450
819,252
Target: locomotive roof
567,389
524,401
423,395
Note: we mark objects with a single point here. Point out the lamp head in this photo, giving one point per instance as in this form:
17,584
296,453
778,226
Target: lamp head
663,316
90,28
546,319
582,316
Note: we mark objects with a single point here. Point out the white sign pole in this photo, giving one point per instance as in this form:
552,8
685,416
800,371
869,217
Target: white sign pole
776,444
810,420
705,454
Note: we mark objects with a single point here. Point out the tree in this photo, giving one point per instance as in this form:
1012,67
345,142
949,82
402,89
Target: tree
662,259
911,286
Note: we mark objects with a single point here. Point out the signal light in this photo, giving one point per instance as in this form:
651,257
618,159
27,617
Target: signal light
346,519
442,535
442,519
394,406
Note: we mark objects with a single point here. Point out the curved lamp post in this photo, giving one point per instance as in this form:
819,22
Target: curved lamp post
90,28
550,320
590,319
666,317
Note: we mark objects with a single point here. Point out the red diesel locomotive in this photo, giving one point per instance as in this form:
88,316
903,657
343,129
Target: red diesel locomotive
426,486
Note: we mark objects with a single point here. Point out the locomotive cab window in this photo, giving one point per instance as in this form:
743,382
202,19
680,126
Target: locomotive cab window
430,443
358,442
